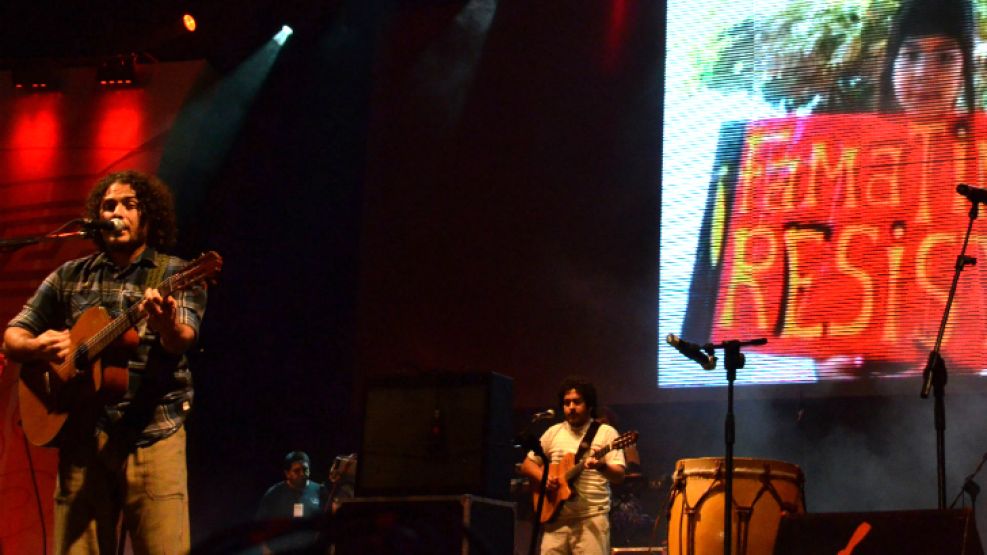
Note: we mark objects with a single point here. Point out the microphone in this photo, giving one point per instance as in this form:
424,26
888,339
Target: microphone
113,225
974,194
692,351
543,415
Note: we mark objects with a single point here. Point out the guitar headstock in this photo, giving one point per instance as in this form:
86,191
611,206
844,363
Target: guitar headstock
625,439
203,270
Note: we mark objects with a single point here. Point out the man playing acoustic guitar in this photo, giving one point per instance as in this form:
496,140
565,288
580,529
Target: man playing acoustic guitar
123,454
581,525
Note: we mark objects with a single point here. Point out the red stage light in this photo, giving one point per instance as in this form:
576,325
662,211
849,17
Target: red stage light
189,21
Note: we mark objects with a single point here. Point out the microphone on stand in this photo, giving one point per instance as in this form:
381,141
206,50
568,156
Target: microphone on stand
974,194
543,415
114,225
692,351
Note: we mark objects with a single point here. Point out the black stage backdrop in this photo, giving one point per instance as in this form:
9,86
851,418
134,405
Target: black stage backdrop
462,186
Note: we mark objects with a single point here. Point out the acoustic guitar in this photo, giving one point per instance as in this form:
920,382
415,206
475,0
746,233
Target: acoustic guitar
95,369
567,471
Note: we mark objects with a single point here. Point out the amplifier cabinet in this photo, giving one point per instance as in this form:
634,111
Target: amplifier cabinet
440,434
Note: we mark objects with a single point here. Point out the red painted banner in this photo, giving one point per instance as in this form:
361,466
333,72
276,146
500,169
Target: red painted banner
839,239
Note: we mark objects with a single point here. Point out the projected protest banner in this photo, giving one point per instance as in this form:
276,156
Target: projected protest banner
836,237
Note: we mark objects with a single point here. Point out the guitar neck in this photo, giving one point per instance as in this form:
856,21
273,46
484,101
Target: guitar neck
129,318
576,470
602,451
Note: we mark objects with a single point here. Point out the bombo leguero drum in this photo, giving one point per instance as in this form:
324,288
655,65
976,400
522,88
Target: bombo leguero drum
763,490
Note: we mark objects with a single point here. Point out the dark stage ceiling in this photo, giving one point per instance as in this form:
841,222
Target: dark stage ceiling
71,33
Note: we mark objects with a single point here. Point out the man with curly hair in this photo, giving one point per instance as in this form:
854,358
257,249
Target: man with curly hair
126,457
582,525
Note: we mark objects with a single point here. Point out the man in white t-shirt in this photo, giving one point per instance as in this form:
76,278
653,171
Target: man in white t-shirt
582,525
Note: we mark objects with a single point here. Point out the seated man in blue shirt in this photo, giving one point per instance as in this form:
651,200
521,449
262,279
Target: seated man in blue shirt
295,497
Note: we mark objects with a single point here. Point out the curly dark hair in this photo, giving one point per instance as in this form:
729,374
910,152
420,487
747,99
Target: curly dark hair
584,388
157,206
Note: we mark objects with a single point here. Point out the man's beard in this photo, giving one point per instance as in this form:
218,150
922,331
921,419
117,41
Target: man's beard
136,241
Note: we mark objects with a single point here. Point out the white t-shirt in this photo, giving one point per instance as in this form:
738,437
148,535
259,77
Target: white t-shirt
591,490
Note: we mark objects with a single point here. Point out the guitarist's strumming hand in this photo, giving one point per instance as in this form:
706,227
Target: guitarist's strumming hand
51,346
552,484
162,317
54,345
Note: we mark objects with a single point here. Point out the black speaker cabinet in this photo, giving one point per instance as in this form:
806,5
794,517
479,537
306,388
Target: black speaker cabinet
440,434
425,525
952,532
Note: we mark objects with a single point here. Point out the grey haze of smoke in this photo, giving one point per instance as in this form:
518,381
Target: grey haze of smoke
444,73
861,453
868,453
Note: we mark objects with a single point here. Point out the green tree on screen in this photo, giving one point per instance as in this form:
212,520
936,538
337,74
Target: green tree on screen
826,55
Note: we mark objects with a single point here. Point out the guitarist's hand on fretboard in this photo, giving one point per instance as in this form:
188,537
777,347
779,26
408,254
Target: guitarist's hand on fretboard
162,317
593,463
161,311
613,473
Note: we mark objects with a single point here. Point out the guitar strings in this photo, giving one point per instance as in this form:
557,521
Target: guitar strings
99,340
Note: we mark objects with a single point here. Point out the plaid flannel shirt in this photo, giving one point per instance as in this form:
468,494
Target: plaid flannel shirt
95,280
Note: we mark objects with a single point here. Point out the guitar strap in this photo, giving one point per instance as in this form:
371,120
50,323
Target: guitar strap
152,279
154,275
587,441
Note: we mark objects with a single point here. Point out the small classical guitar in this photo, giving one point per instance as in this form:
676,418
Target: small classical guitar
96,368
567,470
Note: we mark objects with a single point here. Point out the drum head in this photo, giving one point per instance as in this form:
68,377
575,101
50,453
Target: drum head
708,467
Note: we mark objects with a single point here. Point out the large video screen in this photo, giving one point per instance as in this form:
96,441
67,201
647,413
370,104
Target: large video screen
811,156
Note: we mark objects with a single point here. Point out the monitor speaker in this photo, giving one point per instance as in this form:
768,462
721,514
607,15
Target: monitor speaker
947,532
440,434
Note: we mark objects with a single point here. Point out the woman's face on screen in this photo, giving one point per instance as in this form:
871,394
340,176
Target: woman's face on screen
928,76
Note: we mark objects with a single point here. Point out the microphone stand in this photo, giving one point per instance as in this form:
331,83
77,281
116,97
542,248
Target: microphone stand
970,487
934,376
11,245
528,442
733,360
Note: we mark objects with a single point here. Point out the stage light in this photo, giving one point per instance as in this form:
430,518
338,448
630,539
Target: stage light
283,35
189,21
34,78
118,72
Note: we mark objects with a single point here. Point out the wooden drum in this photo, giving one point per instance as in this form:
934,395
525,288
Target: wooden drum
762,491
